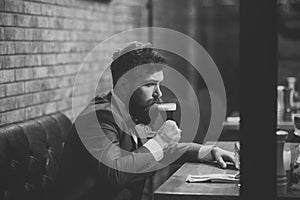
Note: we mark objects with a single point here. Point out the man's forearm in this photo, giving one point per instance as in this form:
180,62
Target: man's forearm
190,152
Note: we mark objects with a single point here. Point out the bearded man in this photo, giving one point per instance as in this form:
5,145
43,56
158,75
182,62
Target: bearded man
109,153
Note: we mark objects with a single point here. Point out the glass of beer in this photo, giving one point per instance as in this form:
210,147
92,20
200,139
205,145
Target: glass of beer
169,109
166,112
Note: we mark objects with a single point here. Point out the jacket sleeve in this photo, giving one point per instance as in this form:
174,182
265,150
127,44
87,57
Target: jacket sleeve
102,137
188,152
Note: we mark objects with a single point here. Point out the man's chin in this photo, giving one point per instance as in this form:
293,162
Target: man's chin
142,120
146,116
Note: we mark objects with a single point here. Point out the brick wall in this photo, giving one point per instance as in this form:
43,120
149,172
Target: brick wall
42,45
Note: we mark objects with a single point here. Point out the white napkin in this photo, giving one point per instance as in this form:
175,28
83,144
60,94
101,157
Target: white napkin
215,178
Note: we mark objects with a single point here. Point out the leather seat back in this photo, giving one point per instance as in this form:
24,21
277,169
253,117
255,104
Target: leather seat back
30,154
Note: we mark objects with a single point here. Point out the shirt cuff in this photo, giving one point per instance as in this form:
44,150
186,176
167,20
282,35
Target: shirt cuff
204,153
155,149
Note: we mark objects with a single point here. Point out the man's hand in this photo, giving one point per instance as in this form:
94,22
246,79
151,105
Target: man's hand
168,134
222,156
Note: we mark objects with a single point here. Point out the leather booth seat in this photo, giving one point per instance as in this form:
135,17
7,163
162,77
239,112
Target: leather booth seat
30,154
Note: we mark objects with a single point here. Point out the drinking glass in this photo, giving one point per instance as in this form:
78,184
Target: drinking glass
237,150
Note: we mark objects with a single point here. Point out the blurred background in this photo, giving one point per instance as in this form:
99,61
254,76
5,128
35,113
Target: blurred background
43,44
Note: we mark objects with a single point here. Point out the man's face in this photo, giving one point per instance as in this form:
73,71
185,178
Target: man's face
146,93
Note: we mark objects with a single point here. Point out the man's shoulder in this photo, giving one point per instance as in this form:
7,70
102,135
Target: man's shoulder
101,107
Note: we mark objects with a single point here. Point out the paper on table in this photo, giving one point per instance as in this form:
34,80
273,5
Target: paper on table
215,178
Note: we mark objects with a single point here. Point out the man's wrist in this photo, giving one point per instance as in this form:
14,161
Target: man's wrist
206,152
160,141
213,152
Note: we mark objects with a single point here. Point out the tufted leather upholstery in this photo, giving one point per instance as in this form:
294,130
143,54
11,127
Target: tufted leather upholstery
30,154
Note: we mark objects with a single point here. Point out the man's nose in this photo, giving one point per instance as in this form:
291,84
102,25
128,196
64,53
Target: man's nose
157,93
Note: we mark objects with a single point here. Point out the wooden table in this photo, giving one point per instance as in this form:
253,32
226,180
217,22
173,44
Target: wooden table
231,130
176,187
235,126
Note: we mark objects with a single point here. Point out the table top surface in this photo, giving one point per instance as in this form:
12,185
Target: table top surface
284,125
177,186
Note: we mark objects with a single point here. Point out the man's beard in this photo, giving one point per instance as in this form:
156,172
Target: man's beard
143,114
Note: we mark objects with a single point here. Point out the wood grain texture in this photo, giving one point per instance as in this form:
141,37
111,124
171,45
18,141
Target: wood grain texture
177,188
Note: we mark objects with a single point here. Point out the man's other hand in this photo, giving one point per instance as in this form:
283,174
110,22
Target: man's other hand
222,156
168,134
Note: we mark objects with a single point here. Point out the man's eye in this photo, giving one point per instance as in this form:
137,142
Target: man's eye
150,84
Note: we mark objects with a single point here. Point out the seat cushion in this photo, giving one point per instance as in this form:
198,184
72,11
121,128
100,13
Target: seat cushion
30,154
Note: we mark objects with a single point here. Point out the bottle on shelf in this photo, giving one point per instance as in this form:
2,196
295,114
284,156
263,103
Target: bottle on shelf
290,98
292,85
280,102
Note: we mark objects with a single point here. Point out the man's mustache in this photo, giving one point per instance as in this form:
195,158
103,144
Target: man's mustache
151,102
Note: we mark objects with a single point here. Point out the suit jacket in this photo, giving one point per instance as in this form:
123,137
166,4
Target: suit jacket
102,161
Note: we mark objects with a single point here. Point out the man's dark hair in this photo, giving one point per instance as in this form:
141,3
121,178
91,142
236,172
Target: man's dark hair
134,58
